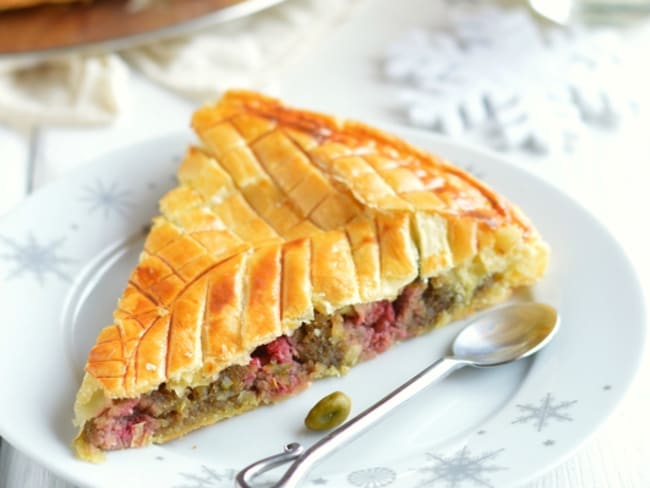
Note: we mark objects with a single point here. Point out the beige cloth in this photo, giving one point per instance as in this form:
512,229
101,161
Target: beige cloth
63,91
250,52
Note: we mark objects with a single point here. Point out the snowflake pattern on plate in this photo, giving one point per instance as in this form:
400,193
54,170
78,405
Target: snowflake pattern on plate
208,478
32,257
541,414
319,481
462,469
372,477
108,199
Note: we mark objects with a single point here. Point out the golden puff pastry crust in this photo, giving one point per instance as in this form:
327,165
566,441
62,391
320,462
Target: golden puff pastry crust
282,214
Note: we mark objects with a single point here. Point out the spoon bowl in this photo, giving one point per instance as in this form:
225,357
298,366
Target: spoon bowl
506,334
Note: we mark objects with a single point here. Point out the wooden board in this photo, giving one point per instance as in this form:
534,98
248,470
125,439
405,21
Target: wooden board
109,24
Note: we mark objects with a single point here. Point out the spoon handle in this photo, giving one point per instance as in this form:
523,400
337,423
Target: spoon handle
352,428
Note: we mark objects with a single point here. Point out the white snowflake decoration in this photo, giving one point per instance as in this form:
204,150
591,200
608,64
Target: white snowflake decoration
496,73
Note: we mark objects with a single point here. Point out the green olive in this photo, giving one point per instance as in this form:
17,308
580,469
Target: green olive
329,412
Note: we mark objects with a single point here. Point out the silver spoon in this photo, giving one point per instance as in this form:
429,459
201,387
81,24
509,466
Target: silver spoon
499,336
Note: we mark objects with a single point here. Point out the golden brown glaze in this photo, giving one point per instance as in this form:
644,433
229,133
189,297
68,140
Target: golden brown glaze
408,170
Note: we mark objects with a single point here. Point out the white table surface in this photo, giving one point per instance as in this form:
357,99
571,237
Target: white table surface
608,175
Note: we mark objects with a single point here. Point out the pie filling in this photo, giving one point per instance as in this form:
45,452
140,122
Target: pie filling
329,345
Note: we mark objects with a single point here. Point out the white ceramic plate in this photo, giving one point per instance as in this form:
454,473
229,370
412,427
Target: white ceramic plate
65,255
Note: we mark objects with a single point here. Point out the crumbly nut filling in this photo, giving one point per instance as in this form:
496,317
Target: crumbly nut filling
329,345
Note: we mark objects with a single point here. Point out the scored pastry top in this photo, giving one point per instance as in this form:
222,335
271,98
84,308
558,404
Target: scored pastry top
281,213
